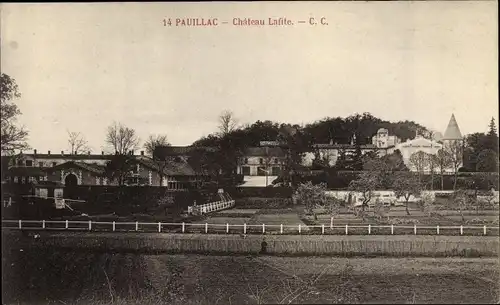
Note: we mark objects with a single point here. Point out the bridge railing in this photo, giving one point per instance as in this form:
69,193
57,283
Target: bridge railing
184,227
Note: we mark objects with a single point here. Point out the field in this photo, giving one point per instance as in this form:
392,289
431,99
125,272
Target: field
56,277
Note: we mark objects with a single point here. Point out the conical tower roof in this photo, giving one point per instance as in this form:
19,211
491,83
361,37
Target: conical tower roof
452,131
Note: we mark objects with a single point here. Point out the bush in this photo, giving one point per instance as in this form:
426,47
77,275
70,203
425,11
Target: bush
263,203
261,192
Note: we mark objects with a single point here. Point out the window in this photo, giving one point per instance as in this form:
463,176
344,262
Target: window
40,164
246,160
20,163
29,163
16,180
276,161
261,161
54,163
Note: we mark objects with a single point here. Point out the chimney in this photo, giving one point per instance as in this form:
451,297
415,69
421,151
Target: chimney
102,153
331,141
34,151
142,152
132,152
48,152
62,152
88,153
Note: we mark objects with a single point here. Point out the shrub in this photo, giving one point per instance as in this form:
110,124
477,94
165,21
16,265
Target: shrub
403,221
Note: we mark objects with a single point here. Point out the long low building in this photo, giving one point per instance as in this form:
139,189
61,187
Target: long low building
90,169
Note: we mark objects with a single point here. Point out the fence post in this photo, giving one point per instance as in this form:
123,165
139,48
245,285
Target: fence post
484,230
437,229
66,224
244,228
415,229
20,224
114,226
206,227
331,223
43,224
369,229
346,229
90,225
300,228
461,230
227,228
392,229
159,227
263,228
136,226
183,227
322,229
281,228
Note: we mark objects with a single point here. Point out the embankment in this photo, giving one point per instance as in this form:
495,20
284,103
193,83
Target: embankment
336,245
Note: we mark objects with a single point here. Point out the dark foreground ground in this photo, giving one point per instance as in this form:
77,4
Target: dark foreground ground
68,277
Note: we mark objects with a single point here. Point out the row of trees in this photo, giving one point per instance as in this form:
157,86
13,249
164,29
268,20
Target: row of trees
389,173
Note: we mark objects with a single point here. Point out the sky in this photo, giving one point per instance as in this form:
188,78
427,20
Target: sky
81,67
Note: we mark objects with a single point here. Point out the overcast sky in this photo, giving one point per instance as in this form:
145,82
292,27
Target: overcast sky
80,67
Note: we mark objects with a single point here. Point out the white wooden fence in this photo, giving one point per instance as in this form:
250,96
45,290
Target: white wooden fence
243,228
210,207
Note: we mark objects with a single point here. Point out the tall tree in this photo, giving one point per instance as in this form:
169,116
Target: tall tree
420,161
77,142
118,168
155,141
227,122
443,162
487,161
454,149
13,136
121,138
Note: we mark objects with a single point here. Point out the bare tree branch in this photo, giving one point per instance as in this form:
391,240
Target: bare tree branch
227,122
121,138
154,141
77,142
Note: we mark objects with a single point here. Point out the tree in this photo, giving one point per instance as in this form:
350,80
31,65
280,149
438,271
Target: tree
118,168
121,138
77,142
461,201
492,128
443,162
420,161
227,122
13,137
454,149
367,182
312,196
405,185
487,161
154,141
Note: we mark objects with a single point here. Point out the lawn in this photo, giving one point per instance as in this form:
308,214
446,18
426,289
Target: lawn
55,277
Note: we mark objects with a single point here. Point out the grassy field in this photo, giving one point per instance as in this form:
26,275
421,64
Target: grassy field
55,277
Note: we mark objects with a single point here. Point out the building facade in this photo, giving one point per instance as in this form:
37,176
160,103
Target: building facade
89,169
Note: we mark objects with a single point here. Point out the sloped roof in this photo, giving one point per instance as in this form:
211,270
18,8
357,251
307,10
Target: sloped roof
93,168
452,131
165,151
420,142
